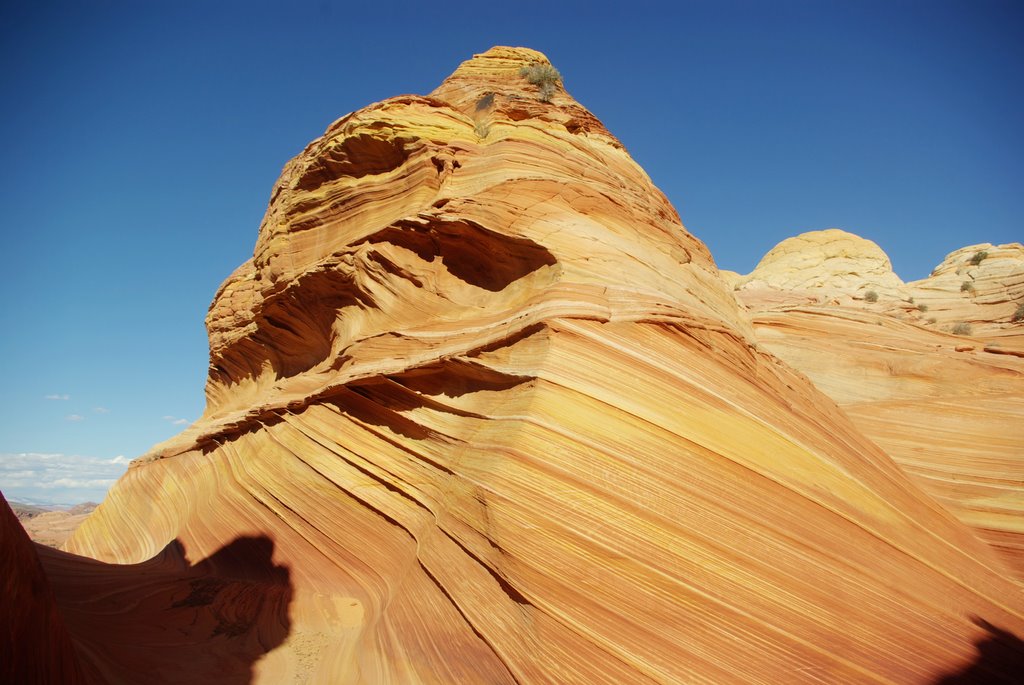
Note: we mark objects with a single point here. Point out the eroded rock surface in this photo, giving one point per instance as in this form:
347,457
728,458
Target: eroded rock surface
503,422
978,287
948,407
831,262
35,646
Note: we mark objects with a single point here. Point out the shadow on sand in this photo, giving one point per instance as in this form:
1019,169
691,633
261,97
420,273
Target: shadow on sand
1000,659
168,621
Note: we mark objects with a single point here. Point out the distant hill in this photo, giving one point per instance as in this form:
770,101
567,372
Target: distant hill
27,511
51,526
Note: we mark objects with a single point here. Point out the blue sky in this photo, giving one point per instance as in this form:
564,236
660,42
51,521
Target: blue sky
142,140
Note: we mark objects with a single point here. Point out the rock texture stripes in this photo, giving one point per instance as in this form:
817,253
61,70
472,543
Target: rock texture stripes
481,410
932,371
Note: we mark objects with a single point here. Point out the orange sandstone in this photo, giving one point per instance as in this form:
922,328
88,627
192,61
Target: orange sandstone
496,418
947,407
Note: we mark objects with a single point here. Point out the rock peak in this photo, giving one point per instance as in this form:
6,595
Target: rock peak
832,259
479,201
487,412
496,71
828,244
501,59
491,87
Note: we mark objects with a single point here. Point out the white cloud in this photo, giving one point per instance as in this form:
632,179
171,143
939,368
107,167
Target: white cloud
74,417
58,397
79,483
43,478
176,421
101,410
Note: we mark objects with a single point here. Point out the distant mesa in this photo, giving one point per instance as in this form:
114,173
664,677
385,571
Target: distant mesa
481,410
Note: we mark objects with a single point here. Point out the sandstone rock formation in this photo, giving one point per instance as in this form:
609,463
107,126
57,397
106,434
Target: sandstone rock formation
948,408
498,419
35,646
831,262
979,286
172,619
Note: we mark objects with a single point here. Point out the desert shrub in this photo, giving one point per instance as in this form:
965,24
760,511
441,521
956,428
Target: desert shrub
910,300
932,319
544,76
967,287
978,256
871,296
962,328
922,307
1019,314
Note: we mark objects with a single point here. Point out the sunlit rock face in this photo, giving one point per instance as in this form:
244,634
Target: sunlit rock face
978,286
818,262
948,407
500,420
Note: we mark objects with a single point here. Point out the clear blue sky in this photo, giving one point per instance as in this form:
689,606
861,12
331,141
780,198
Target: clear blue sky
141,140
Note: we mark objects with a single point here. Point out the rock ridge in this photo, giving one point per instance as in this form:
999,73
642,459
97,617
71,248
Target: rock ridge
481,410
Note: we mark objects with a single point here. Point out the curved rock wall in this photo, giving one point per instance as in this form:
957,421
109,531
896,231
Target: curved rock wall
35,645
502,421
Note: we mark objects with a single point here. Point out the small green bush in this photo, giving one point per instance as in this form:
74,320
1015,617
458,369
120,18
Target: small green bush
967,287
1019,314
962,328
978,256
871,296
910,300
922,307
544,76
932,319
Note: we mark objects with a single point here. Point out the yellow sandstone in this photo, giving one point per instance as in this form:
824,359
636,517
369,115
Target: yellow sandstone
481,410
